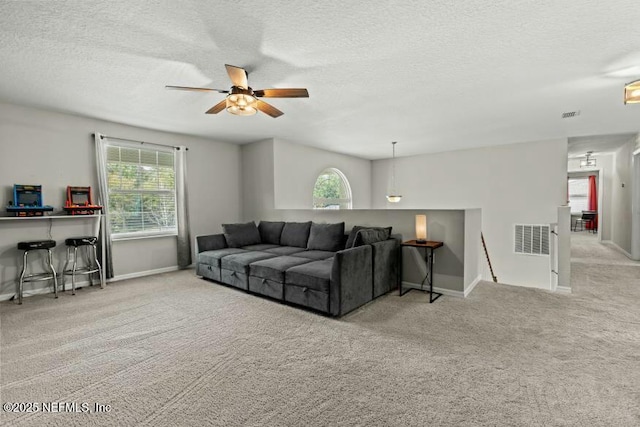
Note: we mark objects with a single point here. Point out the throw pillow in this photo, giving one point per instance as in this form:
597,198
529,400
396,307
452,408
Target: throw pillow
270,231
368,236
295,234
356,228
326,237
238,235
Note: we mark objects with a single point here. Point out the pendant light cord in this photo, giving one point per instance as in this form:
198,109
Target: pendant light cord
393,168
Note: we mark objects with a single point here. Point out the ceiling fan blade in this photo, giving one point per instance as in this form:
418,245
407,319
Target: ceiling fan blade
281,93
269,109
217,108
196,89
238,76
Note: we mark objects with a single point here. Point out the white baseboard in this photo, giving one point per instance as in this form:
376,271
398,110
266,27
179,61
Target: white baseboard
443,291
143,273
615,245
46,287
473,284
563,289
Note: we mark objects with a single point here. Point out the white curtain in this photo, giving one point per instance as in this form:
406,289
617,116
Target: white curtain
182,208
105,231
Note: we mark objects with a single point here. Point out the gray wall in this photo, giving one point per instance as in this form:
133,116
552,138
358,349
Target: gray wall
296,168
56,150
519,183
474,257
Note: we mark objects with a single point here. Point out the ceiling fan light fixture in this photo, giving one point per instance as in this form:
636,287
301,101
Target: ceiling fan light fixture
242,104
632,92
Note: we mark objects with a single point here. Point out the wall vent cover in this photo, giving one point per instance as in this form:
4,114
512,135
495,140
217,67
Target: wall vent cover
531,239
569,114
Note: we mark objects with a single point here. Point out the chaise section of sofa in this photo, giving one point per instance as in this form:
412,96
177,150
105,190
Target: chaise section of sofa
305,264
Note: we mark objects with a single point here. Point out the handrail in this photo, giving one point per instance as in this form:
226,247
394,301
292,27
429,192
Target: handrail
493,276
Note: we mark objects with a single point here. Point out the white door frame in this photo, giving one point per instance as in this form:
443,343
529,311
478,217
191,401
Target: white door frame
635,205
600,174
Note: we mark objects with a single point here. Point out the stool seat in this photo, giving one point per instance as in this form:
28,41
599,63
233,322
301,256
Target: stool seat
36,244
81,241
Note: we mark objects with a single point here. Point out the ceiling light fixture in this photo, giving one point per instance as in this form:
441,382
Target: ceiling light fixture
588,162
393,196
241,102
632,92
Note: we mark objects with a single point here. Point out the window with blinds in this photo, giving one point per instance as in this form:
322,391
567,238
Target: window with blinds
142,191
578,195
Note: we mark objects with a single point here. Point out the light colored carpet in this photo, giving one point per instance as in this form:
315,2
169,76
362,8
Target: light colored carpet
177,350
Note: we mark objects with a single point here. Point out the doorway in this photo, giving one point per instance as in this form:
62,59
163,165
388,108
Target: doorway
585,201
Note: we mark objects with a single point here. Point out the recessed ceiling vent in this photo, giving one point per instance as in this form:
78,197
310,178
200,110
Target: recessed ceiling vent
569,114
531,239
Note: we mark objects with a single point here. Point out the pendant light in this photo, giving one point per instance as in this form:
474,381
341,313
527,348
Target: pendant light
393,196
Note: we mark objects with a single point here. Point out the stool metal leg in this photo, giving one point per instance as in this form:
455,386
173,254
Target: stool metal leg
64,270
73,273
21,281
95,258
53,272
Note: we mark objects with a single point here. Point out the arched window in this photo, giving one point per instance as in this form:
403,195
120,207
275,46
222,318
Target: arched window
332,190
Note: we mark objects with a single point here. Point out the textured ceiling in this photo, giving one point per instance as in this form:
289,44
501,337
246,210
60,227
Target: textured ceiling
601,144
433,75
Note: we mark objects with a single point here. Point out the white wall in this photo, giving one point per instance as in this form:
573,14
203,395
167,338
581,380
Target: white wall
56,150
622,196
518,183
296,168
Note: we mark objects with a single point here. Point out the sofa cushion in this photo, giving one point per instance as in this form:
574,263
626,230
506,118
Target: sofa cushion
295,234
274,268
239,235
283,250
368,236
270,231
317,255
313,275
260,247
326,237
240,262
213,257
352,235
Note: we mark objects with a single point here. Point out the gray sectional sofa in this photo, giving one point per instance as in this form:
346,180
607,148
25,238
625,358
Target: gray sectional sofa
303,263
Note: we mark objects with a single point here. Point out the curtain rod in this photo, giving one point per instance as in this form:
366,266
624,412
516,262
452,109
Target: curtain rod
140,142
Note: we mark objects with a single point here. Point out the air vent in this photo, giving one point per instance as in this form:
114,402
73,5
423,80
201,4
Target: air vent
531,239
570,114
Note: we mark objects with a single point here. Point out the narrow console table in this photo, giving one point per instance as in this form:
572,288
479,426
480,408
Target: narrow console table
429,247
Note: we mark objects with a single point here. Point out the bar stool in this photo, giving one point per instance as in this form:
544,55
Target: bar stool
92,265
37,245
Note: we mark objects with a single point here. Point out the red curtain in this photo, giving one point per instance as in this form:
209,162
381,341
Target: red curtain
593,202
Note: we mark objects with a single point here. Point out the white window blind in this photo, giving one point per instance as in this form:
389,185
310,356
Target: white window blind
578,195
142,190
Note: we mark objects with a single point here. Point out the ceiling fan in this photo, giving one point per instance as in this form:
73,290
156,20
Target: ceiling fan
241,99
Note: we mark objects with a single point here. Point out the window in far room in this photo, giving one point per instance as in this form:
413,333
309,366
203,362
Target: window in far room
332,190
579,195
